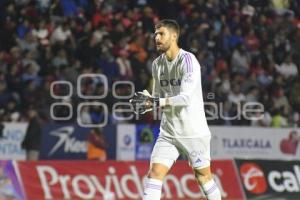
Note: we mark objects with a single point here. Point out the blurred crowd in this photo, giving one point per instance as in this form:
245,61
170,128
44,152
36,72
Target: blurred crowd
249,51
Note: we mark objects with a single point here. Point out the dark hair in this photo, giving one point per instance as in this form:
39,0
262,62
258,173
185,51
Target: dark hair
169,23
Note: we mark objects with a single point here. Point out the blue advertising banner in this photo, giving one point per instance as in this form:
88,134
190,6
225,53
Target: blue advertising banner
10,141
110,138
9,185
135,141
64,141
69,141
146,136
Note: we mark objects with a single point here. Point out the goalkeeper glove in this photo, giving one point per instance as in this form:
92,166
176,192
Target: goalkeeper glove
143,102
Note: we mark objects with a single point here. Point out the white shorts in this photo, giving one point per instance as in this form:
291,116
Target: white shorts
166,151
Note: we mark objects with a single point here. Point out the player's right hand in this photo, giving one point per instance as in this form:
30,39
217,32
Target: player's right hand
143,102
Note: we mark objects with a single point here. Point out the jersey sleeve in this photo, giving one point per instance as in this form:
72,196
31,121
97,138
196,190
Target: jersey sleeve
191,77
155,86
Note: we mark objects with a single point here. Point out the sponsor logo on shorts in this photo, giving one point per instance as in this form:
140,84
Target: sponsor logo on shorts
195,153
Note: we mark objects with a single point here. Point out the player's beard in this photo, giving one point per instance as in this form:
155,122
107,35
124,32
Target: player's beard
164,47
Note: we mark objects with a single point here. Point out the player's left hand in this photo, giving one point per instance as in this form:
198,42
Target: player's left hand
143,102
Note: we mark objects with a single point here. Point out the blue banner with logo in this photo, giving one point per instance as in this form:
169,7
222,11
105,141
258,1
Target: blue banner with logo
12,135
111,139
146,136
135,142
69,141
64,141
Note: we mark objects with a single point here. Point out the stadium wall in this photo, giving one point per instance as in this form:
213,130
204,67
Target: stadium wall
238,180
135,142
248,163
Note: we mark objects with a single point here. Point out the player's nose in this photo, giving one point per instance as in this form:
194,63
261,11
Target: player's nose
157,38
157,41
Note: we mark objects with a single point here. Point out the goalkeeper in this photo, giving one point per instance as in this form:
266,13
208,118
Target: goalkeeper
177,89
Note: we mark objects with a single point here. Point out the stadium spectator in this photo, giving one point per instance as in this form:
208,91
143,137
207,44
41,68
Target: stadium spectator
32,140
23,28
28,43
249,82
124,65
61,33
240,61
236,97
253,95
280,100
278,119
60,59
294,119
263,119
96,145
41,33
290,144
288,68
250,43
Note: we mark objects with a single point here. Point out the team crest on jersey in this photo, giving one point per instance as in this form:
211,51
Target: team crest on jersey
188,78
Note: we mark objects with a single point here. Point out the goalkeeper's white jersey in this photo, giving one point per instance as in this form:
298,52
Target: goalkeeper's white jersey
180,80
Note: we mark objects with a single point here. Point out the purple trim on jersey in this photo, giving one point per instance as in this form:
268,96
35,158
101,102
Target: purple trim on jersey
153,186
188,62
212,189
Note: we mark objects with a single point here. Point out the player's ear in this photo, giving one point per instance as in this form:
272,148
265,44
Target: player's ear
174,36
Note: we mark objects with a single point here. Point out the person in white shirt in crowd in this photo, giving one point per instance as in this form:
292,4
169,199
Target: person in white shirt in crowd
61,34
288,68
236,96
240,60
